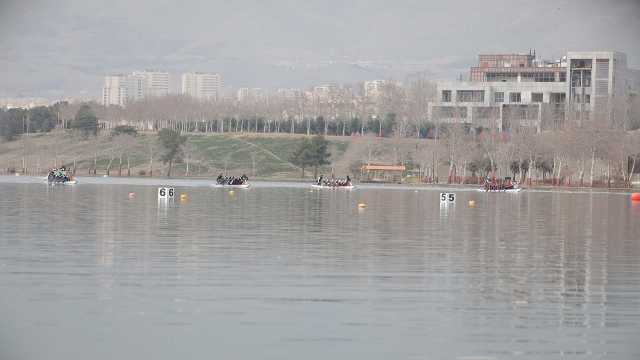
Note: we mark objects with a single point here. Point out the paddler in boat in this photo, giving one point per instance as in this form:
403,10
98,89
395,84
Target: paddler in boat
319,181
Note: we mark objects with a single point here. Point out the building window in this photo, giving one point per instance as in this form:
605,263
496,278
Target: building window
557,98
527,77
602,68
536,97
503,77
587,99
446,95
602,87
514,97
545,77
470,95
498,97
563,77
581,78
587,79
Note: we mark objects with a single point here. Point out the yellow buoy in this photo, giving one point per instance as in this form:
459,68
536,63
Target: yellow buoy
184,197
362,205
472,203
132,195
231,192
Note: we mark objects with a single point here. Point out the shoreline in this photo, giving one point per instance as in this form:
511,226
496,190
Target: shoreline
296,183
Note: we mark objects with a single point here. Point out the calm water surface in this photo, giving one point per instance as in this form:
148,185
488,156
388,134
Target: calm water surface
283,272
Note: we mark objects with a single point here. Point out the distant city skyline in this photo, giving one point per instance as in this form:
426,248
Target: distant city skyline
63,48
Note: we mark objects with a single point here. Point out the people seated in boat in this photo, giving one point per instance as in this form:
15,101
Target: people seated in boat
508,184
490,184
232,180
333,182
58,175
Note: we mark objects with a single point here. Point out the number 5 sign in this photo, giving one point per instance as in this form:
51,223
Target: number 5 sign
447,197
166,192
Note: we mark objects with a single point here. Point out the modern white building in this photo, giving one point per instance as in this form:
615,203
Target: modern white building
514,90
598,84
202,86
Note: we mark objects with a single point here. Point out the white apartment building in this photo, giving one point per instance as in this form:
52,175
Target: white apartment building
373,88
290,94
122,89
115,90
156,83
325,92
202,86
250,94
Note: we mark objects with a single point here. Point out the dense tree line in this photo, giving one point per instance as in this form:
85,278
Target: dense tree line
584,153
14,122
590,155
80,117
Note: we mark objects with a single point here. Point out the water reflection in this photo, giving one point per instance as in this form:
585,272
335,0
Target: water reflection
299,273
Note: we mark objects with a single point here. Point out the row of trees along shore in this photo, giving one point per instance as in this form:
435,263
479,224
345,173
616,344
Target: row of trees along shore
593,153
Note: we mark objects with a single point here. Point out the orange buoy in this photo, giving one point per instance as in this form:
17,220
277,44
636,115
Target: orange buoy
635,197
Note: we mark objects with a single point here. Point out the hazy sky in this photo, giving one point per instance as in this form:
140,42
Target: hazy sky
64,47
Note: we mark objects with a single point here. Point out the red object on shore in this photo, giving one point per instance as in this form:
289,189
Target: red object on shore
635,197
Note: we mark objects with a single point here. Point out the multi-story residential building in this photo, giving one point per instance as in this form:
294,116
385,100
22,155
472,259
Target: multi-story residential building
24,103
115,90
250,94
122,89
202,86
325,92
136,87
290,94
373,88
156,83
512,90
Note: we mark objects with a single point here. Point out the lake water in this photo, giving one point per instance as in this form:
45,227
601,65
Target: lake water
283,272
